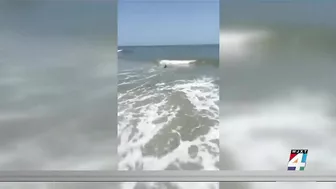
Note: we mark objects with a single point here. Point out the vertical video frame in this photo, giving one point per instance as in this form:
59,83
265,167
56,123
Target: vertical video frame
168,92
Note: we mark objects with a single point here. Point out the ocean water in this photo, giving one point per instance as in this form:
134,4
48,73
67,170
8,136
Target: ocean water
277,89
168,117
58,85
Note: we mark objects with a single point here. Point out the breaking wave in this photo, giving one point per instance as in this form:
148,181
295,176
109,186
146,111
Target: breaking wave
176,62
242,44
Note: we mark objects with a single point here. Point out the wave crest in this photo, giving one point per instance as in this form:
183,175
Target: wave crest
239,43
176,62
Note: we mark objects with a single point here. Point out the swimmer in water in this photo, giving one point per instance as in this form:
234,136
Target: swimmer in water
165,66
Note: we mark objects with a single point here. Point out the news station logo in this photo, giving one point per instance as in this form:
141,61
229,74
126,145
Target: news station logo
297,159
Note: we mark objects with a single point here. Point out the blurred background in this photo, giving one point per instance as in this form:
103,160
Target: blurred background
58,85
278,67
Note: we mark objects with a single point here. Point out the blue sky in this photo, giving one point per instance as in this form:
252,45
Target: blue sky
168,22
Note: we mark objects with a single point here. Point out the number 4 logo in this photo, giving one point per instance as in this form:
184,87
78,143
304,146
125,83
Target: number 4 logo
298,162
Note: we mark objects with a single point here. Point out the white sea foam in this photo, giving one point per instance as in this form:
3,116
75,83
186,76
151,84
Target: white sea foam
145,115
268,130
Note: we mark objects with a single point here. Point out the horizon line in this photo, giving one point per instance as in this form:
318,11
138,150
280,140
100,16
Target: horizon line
167,45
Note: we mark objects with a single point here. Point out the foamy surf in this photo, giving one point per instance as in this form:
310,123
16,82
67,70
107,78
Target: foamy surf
156,130
168,118
268,130
138,129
